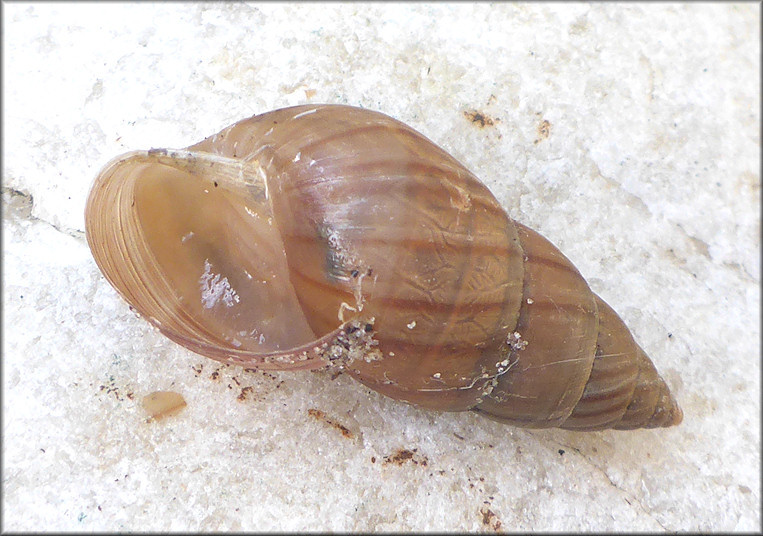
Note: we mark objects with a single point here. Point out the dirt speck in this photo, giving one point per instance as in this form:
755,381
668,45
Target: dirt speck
489,519
110,387
480,119
336,374
321,416
544,131
244,393
401,456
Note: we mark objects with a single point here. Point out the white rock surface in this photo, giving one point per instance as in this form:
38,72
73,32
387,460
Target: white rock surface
646,174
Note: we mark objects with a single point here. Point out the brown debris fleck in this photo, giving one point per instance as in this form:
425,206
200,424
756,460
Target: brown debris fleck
111,388
480,119
544,131
336,374
244,393
402,456
321,416
489,519
161,404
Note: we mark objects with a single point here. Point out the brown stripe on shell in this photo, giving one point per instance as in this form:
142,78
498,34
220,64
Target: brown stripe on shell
348,134
420,245
377,177
377,129
558,323
611,385
412,305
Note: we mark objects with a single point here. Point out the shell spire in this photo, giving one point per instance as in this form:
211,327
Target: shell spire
578,353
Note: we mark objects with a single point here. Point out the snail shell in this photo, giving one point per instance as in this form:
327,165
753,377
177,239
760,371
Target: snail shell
329,235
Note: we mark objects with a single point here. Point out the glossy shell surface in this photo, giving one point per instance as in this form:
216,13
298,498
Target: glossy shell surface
329,235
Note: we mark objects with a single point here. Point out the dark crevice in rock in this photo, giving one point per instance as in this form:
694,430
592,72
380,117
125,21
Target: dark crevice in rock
18,205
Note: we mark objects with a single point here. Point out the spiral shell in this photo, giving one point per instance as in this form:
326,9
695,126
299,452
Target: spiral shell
328,235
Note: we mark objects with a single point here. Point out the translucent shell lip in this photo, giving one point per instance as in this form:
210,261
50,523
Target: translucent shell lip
174,286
